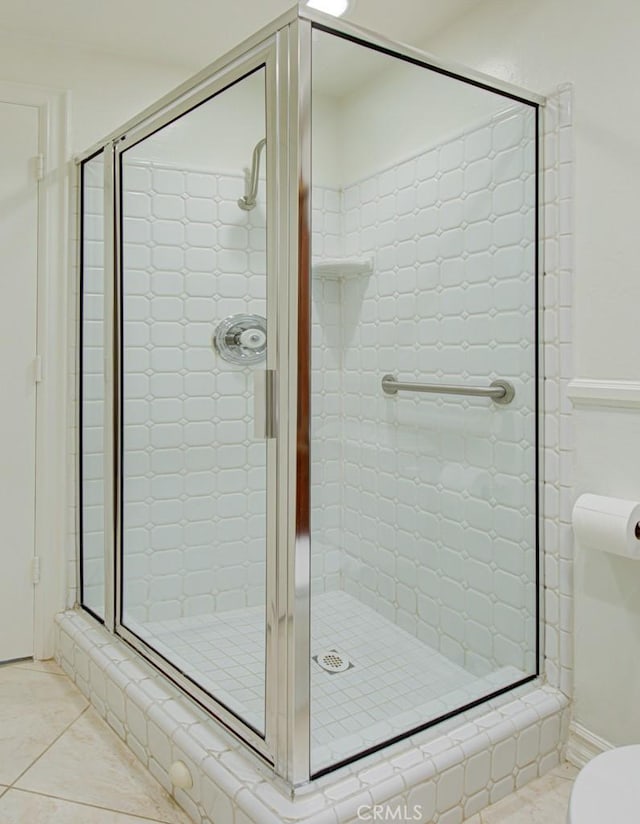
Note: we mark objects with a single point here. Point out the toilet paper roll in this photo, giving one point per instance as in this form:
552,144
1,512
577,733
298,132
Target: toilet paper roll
608,524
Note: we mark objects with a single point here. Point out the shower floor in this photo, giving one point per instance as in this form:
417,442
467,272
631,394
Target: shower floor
396,682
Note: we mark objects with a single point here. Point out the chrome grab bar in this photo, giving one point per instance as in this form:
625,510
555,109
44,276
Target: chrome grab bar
499,391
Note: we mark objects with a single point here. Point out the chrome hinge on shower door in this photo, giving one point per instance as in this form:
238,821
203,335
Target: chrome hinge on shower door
35,570
264,404
38,167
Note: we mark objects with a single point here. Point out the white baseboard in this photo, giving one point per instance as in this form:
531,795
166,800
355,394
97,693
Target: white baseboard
584,745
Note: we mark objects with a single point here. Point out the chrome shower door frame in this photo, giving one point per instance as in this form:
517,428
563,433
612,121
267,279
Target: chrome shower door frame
265,55
279,49
285,50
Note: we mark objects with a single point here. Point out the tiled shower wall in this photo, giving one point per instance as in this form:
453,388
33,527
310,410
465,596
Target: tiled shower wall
194,476
190,508
558,438
437,493
327,341
446,472
523,733
93,386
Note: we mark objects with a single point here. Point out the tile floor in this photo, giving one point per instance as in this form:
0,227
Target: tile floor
61,764
543,801
397,681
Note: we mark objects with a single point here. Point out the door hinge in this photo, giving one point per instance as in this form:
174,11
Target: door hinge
35,570
38,166
37,368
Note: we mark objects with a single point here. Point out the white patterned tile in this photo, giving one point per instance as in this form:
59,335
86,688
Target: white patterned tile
354,577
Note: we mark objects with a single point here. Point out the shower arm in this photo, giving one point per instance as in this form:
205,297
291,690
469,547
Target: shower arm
248,200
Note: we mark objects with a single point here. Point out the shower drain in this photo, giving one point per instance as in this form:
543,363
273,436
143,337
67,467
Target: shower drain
332,661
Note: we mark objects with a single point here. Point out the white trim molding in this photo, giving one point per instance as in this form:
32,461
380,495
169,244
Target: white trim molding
604,393
557,455
584,745
51,505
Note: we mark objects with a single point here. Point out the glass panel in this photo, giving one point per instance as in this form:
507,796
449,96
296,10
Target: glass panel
194,475
92,387
423,505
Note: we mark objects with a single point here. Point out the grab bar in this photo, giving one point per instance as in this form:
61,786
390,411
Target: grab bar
499,391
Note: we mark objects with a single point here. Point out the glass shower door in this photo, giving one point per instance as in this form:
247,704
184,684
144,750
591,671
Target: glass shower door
424,397
196,321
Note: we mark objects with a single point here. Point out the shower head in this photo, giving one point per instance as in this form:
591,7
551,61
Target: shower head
248,200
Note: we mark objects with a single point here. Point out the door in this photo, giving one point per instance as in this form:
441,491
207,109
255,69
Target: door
18,294
197,326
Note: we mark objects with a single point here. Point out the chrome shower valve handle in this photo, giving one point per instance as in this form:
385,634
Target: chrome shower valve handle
242,339
254,339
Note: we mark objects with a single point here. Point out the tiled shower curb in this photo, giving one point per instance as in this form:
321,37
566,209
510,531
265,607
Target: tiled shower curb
450,772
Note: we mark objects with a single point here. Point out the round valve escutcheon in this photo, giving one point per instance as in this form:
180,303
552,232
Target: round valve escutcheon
242,339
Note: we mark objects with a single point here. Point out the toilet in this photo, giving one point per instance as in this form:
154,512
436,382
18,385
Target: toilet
608,789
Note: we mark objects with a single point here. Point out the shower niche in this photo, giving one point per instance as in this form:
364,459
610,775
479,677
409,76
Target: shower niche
325,565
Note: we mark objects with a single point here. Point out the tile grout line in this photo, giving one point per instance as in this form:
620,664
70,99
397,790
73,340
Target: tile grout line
516,794
12,786
89,706
92,806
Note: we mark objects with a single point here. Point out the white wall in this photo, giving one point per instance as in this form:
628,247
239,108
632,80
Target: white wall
101,93
219,135
594,46
402,111
105,90
607,615
325,137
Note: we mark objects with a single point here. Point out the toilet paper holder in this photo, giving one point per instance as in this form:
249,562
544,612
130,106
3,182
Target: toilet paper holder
608,524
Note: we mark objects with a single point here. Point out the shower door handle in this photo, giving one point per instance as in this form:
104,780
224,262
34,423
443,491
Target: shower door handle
264,404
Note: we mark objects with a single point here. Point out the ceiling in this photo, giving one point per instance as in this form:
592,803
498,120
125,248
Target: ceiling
192,33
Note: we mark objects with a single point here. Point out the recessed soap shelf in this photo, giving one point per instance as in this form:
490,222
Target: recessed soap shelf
341,268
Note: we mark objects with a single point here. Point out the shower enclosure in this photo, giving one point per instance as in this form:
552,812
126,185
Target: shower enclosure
309,390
